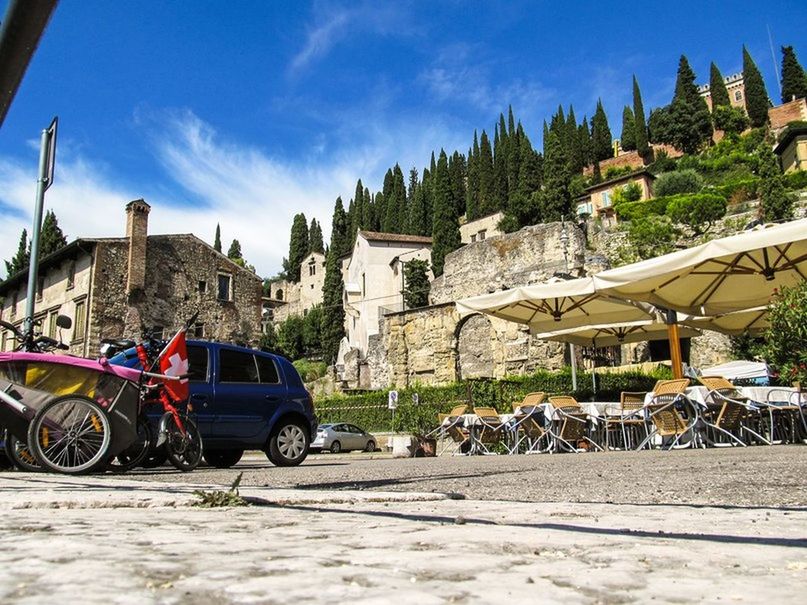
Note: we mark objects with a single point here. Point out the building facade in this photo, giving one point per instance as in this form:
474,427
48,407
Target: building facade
597,200
287,298
480,229
112,287
735,85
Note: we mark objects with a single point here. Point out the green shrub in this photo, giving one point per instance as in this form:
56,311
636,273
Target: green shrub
796,180
617,171
652,236
786,340
632,192
737,190
678,181
629,211
310,370
731,120
697,210
369,410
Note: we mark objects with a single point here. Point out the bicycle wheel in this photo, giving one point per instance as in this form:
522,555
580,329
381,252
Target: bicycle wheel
70,435
135,454
20,455
184,450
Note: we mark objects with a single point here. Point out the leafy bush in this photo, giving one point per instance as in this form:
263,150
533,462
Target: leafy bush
310,370
697,210
629,211
617,171
632,192
369,410
796,180
662,163
786,340
737,190
679,181
731,120
652,236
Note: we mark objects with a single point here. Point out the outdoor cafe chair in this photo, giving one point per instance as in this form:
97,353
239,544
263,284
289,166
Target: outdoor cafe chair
667,420
488,430
786,414
451,426
730,415
629,424
528,425
570,424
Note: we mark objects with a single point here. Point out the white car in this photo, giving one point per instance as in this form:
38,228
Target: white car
342,437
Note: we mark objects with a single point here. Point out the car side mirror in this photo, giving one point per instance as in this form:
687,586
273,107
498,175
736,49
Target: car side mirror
63,321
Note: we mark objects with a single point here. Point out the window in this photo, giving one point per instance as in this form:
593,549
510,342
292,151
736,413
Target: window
473,238
312,269
738,95
312,286
267,371
52,324
279,294
3,341
40,286
363,284
225,287
13,310
197,363
71,274
606,199
483,234
202,287
79,320
199,330
237,366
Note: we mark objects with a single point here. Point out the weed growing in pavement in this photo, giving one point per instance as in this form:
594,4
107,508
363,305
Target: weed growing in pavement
218,498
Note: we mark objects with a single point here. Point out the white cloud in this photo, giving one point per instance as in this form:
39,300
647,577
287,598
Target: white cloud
251,195
321,39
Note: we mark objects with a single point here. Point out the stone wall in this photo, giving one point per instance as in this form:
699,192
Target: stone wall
709,350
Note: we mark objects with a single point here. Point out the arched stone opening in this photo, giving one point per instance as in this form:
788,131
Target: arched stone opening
474,350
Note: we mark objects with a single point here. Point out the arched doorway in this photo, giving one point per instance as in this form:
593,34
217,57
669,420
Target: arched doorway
474,348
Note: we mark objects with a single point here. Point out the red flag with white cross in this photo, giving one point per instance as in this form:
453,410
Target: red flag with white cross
174,362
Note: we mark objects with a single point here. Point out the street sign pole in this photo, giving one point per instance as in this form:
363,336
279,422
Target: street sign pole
47,162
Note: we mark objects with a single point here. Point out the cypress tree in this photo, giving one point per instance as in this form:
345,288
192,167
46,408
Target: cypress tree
600,135
399,199
499,168
529,174
472,192
413,183
717,88
315,242
360,211
690,124
639,123
387,209
487,204
446,231
513,159
368,211
352,222
554,199
333,312
756,95
234,253
217,240
457,171
776,202
51,237
427,187
794,78
298,246
21,259
418,220
574,147
584,136
628,141
545,137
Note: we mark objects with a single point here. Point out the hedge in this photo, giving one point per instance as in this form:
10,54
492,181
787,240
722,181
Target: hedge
370,411
796,180
628,211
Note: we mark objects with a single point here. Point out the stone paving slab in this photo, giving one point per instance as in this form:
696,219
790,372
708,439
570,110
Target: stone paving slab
117,541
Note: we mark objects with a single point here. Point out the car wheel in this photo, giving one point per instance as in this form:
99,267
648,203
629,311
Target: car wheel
370,446
288,444
222,458
336,447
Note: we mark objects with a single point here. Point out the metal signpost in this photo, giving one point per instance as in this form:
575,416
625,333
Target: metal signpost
392,403
47,162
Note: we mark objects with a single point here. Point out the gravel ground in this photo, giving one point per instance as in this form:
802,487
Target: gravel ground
754,476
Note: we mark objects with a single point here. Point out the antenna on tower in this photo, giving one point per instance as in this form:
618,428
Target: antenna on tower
773,58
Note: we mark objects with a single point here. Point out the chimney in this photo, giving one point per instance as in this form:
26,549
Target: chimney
137,221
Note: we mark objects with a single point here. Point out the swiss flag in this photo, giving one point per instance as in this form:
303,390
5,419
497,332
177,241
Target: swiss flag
174,362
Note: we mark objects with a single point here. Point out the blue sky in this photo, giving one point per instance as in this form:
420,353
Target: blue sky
245,113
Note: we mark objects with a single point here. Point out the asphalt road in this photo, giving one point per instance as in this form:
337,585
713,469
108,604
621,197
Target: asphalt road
753,476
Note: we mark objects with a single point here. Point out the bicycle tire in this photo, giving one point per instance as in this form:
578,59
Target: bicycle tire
70,435
134,455
184,450
20,455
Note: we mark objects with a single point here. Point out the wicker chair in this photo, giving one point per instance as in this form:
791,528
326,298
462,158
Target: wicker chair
451,426
629,423
570,425
730,415
488,430
667,421
528,426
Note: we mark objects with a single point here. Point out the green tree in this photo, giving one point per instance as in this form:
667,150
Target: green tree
487,204
628,141
584,137
446,229
419,223
786,339
333,312
312,331
217,241
659,125
731,120
290,337
416,290
553,201
698,211
652,236
51,237
794,78
315,242
21,259
756,95
298,246
690,125
234,252
499,168
268,341
632,192
640,125
776,201
678,181
600,135
457,172
717,88
472,191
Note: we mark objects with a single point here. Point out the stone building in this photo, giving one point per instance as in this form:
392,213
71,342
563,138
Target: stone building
288,298
480,229
597,200
792,148
111,287
735,85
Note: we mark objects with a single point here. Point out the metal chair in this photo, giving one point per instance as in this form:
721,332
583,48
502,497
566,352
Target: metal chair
662,413
451,426
785,409
571,424
730,414
630,420
487,431
529,421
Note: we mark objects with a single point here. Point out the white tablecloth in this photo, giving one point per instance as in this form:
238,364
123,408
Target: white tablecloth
700,395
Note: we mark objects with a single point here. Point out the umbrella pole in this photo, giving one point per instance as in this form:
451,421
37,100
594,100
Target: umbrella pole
574,367
675,344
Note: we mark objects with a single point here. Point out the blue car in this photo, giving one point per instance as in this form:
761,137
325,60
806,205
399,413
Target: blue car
245,399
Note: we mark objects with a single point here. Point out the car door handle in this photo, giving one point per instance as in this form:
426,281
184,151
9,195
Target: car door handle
272,398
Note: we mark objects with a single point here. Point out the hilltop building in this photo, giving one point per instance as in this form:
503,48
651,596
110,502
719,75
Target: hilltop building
735,86
597,200
288,298
113,286
478,230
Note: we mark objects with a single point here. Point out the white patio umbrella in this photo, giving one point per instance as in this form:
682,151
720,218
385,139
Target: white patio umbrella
752,321
618,334
722,276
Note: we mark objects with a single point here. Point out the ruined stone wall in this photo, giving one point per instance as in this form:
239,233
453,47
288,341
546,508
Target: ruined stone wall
181,279
709,350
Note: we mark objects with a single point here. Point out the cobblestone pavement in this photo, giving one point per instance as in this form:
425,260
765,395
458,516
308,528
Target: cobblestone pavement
762,476
702,526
